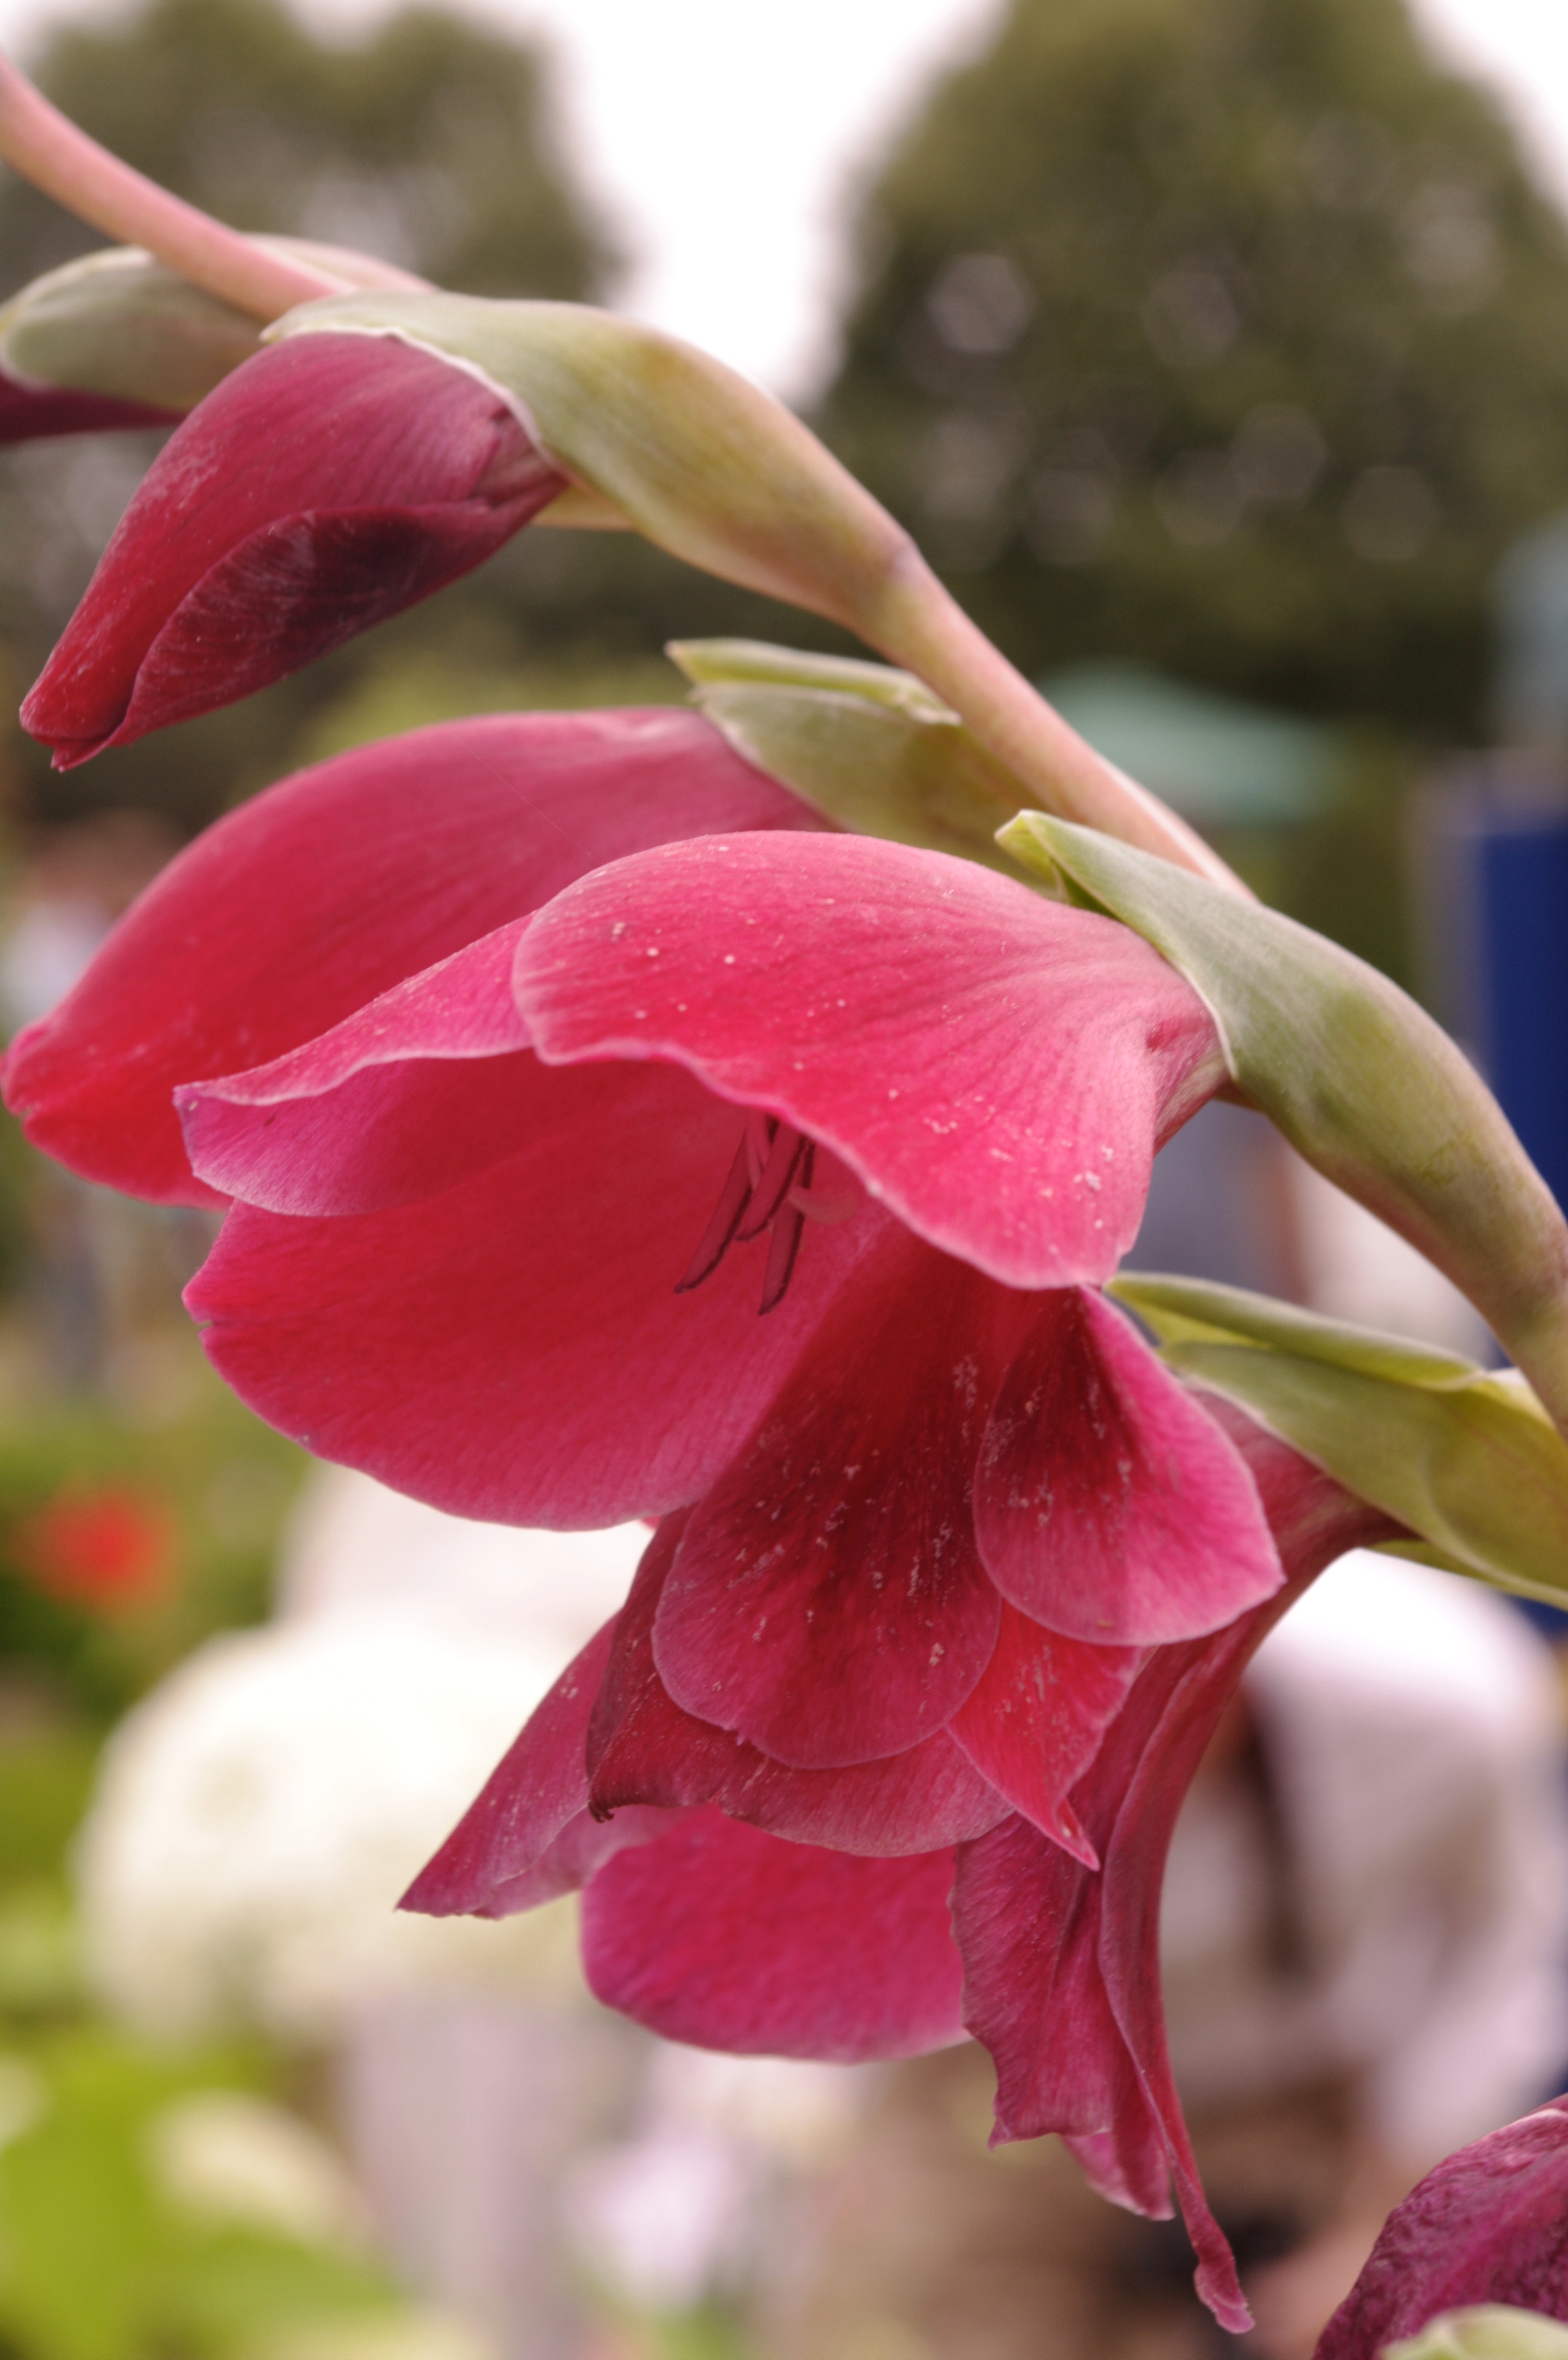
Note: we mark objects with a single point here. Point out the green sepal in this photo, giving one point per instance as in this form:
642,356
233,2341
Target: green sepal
1464,1458
1356,1077
661,436
1485,2330
751,662
119,323
868,745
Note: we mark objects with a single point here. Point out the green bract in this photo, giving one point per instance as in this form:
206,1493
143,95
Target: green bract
1485,2331
119,323
868,745
1465,1457
662,437
1356,1077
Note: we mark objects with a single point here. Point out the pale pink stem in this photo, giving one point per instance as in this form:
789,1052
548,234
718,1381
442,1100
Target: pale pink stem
924,629
47,148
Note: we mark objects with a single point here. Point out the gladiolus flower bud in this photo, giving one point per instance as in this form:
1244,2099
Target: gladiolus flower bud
327,484
665,438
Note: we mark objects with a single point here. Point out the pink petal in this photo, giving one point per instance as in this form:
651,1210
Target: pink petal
529,1836
1490,2224
386,1108
643,1749
730,1939
827,1602
1035,1722
998,1069
1108,1504
515,1347
1061,1966
325,890
329,482
1027,1919
31,413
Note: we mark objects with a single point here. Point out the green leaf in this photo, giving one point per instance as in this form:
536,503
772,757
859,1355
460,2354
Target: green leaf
1356,1077
1488,2331
1464,1459
866,745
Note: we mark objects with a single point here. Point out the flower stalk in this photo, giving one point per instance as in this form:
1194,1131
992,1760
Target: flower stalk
47,148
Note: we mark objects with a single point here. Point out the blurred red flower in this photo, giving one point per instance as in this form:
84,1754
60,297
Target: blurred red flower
110,1550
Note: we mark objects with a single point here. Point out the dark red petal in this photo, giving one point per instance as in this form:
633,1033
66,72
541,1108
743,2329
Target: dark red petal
1050,1949
327,890
727,1938
1108,1504
31,413
1490,2224
997,1069
328,482
515,1347
643,1749
827,1602
1034,1723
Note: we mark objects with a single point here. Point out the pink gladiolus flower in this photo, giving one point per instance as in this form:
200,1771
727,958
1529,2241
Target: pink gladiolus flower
885,1908
29,413
502,1237
327,482
1490,2225
535,1077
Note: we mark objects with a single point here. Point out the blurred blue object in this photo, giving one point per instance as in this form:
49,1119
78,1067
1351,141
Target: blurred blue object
1493,845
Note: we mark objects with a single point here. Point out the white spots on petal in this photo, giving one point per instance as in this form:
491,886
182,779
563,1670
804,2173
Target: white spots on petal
1091,1180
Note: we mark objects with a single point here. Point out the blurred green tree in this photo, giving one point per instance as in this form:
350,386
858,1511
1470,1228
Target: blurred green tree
1231,335
430,143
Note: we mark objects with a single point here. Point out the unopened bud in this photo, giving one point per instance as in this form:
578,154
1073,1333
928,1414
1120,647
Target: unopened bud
667,439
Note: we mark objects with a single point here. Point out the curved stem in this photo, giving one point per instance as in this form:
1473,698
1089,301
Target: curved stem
924,629
47,148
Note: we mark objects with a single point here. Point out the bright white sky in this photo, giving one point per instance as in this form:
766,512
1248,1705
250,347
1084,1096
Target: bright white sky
721,137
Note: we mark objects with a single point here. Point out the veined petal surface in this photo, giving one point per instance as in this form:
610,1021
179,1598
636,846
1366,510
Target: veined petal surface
997,1069
1109,1504
724,1937
515,1348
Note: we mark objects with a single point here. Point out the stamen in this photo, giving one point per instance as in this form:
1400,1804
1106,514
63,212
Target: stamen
715,1239
760,1132
769,1185
772,1182
782,1249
